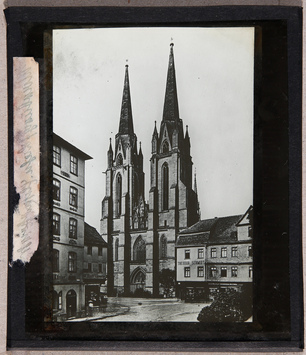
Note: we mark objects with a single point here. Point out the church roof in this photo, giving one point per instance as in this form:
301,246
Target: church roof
210,231
126,118
91,236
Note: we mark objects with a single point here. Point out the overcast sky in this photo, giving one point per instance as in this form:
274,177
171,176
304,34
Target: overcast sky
214,73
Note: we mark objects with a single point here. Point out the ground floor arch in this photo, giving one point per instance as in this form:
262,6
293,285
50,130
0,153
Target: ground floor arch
71,303
138,279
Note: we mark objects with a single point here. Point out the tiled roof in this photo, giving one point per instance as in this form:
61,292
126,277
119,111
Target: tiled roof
224,230
198,239
201,226
210,231
91,236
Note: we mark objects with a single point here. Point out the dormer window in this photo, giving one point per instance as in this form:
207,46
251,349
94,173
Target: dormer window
165,147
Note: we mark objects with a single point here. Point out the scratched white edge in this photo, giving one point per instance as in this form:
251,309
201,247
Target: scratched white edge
4,191
26,157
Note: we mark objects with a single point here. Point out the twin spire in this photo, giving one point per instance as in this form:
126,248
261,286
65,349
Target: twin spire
171,111
126,118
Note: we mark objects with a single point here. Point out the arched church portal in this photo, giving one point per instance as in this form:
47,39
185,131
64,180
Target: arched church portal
138,279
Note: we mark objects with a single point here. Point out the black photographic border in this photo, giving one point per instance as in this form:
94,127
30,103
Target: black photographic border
278,322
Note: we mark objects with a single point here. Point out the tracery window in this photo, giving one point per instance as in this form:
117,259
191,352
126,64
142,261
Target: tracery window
118,194
163,247
165,187
139,250
165,147
116,249
119,160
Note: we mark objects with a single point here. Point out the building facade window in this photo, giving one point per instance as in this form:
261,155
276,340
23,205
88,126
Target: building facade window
234,271
55,260
60,297
213,271
200,271
187,271
116,249
223,271
89,267
73,165
73,228
163,247
201,253
73,197
100,268
251,271
165,187
89,250
213,252
99,251
223,252
72,262
250,232
56,190
187,254
56,224
234,251
118,194
56,155
250,251
139,250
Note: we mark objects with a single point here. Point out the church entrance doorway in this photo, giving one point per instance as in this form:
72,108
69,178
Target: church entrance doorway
138,279
71,303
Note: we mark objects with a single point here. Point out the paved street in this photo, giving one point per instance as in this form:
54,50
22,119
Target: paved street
153,310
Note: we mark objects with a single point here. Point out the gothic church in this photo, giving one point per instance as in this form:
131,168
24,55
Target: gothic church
141,236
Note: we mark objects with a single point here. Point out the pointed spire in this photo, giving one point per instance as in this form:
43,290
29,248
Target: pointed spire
110,154
126,118
187,133
110,149
195,188
140,151
155,130
171,111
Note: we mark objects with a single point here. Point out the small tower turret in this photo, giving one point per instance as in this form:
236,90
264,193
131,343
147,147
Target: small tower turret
110,155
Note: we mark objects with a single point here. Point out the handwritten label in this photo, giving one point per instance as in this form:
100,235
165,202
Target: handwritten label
26,158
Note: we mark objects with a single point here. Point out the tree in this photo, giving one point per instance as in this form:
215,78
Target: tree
228,306
167,281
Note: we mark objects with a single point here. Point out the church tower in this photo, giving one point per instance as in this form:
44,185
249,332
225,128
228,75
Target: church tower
124,193
141,237
172,201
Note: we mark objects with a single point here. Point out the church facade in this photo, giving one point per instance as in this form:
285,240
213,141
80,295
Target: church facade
142,235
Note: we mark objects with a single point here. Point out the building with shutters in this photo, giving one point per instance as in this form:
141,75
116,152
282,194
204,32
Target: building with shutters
141,236
215,254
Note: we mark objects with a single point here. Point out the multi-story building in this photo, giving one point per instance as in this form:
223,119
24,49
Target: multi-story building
141,236
94,273
215,254
68,228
